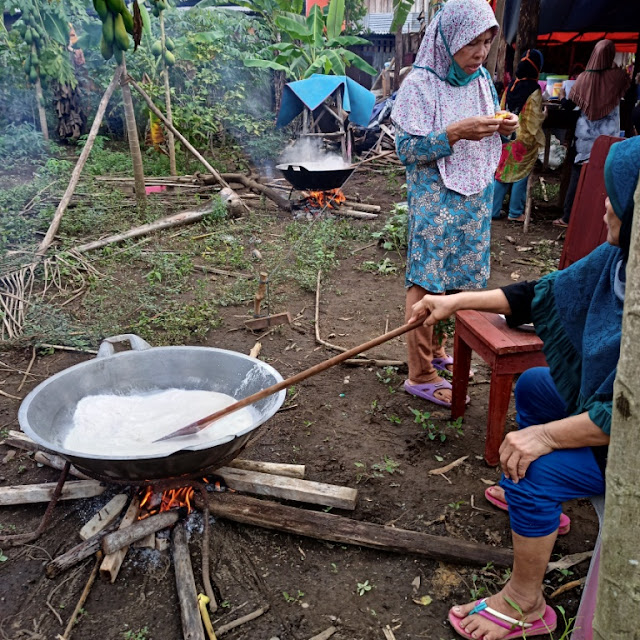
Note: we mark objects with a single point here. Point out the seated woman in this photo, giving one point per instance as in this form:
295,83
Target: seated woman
563,411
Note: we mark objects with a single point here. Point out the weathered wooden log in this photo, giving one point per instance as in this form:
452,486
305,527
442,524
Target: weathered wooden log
254,185
138,530
275,468
192,628
352,213
111,564
76,554
56,462
328,526
105,517
361,206
225,628
31,493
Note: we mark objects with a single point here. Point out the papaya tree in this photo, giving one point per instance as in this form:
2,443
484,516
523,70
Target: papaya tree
163,51
312,45
44,28
117,25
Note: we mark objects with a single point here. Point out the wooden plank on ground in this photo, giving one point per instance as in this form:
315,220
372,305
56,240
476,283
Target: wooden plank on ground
264,484
335,528
32,493
275,468
105,516
111,564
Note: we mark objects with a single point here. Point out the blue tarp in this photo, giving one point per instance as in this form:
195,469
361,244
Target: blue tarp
577,15
312,92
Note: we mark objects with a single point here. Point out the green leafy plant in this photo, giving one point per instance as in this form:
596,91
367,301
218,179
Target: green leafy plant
363,587
291,598
141,634
3,557
393,236
312,45
388,465
384,267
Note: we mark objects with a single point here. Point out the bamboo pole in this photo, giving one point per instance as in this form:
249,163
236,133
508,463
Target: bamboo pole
82,160
42,114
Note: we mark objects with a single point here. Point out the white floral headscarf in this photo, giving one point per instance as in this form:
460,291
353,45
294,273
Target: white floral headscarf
427,104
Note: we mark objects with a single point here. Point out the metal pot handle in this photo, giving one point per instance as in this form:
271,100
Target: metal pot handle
137,344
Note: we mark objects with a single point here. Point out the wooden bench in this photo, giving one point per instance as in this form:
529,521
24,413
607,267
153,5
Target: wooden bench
507,351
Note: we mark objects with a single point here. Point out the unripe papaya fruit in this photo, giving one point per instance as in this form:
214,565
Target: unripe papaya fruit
128,20
120,33
156,11
156,48
144,14
35,61
169,58
115,6
33,75
118,55
28,35
169,44
106,49
101,8
107,29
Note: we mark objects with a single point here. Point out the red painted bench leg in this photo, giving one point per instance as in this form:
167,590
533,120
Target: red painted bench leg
462,364
499,396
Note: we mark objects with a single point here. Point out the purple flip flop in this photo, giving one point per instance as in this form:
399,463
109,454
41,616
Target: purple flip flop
565,521
440,364
543,626
427,391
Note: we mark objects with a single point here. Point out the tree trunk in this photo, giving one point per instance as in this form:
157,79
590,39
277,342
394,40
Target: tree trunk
493,53
399,54
527,28
617,614
167,100
40,100
82,160
134,143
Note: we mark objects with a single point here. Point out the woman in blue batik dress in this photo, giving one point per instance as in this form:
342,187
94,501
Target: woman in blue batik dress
448,136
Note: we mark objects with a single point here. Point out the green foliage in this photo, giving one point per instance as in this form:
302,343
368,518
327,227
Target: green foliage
401,9
22,143
141,634
290,598
393,236
314,44
389,465
384,267
432,430
363,587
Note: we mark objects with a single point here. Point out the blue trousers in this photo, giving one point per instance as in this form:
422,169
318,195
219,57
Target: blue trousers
518,197
535,502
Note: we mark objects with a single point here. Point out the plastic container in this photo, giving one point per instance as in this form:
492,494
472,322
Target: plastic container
554,85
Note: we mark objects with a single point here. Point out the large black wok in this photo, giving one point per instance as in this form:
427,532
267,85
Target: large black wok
306,176
46,413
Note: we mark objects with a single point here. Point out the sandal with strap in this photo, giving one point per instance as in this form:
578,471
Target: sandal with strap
427,391
440,364
543,626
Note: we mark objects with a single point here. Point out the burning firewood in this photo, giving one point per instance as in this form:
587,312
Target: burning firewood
111,564
138,530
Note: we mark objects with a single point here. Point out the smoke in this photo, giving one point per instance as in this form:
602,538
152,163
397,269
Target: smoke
309,151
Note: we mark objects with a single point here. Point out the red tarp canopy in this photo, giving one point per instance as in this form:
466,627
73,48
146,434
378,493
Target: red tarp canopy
625,41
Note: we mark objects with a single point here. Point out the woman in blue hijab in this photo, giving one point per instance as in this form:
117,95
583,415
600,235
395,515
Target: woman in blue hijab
563,411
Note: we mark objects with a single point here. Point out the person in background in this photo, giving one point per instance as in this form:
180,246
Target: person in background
597,92
448,138
563,411
635,114
524,99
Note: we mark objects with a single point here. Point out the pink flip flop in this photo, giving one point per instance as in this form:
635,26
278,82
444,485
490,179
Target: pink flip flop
565,521
427,391
541,627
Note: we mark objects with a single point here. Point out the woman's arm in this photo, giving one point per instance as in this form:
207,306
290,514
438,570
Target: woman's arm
520,448
435,308
412,149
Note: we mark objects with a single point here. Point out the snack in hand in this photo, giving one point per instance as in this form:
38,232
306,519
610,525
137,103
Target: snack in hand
502,115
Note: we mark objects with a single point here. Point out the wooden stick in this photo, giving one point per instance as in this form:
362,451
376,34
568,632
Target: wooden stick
334,528
26,373
528,206
111,564
192,628
185,217
75,176
276,468
76,554
128,535
56,462
83,598
351,213
105,517
372,362
221,630
255,350
325,635
187,145
32,493
21,440
361,206
250,183
264,484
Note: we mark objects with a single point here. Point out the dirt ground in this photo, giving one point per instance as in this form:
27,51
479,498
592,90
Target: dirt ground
349,426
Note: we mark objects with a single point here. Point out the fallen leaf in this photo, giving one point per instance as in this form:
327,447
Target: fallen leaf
569,561
515,276
448,467
423,600
416,584
489,482
521,249
510,239
568,586
10,455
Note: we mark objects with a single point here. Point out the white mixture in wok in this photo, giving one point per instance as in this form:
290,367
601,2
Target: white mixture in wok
125,425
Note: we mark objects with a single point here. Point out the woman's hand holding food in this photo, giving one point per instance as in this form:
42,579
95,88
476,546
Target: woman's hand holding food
474,128
508,123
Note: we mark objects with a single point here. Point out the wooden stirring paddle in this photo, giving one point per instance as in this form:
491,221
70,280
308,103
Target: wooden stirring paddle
203,423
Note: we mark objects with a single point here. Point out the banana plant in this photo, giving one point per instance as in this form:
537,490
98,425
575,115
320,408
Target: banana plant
312,45
401,9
